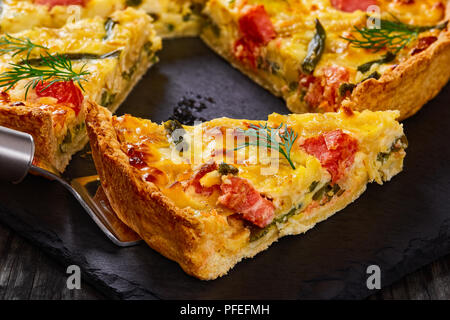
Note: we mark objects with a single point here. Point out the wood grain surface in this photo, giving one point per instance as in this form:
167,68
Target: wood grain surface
26,272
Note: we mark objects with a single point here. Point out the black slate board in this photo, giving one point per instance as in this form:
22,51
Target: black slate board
400,226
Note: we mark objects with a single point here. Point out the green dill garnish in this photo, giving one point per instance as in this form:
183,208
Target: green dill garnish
391,35
15,46
107,98
55,68
313,186
176,132
281,139
345,88
328,191
187,17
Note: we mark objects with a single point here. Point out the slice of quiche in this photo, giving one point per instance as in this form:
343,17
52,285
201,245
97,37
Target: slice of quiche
210,195
46,74
320,54
173,18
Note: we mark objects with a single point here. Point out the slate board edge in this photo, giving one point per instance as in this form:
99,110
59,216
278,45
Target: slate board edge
52,245
107,284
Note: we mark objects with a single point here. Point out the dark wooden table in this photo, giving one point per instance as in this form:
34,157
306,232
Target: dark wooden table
28,273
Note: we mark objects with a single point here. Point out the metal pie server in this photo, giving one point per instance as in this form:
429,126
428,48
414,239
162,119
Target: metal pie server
16,161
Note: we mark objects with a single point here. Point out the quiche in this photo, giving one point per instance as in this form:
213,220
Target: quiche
172,18
209,195
46,74
321,54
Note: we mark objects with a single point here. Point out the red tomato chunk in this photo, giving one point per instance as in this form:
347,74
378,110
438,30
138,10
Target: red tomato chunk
239,195
335,151
64,92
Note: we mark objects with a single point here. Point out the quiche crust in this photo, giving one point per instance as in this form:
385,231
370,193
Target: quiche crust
32,119
411,84
205,244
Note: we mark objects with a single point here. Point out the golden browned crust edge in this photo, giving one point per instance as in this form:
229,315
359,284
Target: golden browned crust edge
179,234
36,122
410,85
29,118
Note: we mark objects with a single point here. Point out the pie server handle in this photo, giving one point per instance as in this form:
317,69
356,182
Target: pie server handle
16,154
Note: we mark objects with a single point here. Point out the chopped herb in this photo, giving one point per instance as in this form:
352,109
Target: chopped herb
170,27
267,137
148,48
127,75
315,49
388,57
196,8
154,59
374,75
133,3
109,26
67,137
79,127
225,169
293,85
214,27
107,98
258,233
154,16
345,88
283,218
397,145
172,125
274,67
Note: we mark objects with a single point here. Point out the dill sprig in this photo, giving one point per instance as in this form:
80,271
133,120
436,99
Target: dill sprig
281,139
15,46
56,68
391,35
